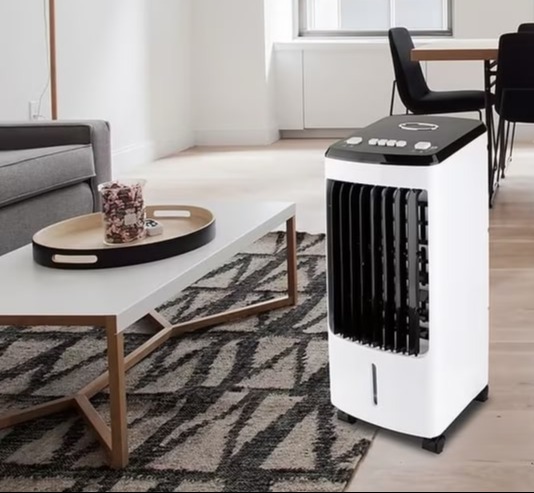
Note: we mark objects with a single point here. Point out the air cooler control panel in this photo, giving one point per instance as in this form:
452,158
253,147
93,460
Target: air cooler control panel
408,140
420,146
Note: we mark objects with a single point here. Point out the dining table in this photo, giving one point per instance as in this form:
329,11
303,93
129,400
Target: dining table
483,50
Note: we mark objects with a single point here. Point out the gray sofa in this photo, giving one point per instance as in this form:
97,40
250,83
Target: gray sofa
49,171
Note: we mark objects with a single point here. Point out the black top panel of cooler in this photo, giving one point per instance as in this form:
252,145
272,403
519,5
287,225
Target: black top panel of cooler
408,140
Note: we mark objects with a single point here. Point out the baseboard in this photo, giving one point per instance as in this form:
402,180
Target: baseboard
246,137
128,158
164,148
318,133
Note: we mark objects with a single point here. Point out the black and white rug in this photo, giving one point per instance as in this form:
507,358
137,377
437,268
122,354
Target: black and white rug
239,407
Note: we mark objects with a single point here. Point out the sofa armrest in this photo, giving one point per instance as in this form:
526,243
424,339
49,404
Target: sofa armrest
28,135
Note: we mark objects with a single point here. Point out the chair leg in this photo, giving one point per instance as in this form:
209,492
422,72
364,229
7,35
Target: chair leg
392,104
495,133
512,140
502,164
509,144
495,170
479,114
502,138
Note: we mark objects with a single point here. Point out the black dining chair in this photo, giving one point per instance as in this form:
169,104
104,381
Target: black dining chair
413,89
514,88
527,27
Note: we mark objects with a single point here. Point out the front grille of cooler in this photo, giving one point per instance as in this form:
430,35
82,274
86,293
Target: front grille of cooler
378,266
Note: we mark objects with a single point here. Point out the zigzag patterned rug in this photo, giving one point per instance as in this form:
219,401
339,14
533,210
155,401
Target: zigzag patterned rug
240,407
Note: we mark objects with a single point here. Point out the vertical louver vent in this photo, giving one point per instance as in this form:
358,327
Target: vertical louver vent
378,265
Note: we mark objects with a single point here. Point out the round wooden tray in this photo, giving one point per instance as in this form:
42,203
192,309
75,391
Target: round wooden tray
78,243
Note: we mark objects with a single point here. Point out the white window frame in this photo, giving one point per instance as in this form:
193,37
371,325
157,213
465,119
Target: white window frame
304,19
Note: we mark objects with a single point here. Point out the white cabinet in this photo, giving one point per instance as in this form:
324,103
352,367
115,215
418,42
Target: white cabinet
289,93
345,87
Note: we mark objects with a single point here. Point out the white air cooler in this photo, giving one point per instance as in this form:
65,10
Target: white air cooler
407,238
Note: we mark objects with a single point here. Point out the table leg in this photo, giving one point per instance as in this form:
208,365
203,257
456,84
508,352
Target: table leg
292,284
168,330
115,438
21,416
117,395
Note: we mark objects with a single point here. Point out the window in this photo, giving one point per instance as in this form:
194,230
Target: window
374,17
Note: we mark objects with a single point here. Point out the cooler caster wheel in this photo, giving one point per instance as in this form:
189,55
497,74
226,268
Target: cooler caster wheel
484,394
346,418
434,445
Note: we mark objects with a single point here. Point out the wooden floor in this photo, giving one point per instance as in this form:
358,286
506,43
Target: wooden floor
491,448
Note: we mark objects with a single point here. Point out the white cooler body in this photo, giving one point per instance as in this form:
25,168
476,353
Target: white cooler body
419,391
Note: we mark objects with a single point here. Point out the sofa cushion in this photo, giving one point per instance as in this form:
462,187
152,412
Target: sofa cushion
30,172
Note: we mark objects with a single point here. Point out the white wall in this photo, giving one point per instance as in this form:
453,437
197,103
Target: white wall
103,70
490,18
278,19
231,96
169,73
240,94
23,58
125,61
169,67
233,69
477,19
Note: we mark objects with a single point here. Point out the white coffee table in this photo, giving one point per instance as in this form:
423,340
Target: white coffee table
116,298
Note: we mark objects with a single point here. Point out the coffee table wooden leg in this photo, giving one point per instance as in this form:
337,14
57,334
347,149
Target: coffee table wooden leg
290,299
117,395
21,416
115,440
292,284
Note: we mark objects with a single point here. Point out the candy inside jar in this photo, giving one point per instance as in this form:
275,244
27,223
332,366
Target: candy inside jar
123,211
